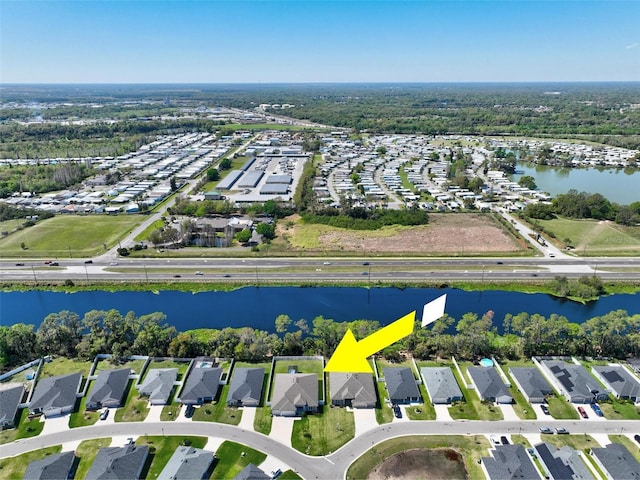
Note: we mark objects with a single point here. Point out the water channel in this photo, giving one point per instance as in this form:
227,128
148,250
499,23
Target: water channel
259,306
613,183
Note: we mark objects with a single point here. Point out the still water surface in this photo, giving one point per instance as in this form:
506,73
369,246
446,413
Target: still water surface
614,184
259,306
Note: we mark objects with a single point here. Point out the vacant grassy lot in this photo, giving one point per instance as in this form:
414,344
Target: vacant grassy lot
83,235
231,459
323,433
474,447
263,420
14,467
87,452
82,417
594,238
164,448
452,234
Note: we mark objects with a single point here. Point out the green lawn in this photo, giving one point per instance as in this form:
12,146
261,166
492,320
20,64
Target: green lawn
162,449
384,413
561,409
426,411
107,364
262,421
233,457
63,366
25,428
170,412
290,475
324,432
474,447
135,408
518,439
595,238
13,468
218,411
81,417
86,452
466,409
580,442
615,409
82,235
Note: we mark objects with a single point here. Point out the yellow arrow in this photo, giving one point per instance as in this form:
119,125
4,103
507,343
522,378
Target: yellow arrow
351,355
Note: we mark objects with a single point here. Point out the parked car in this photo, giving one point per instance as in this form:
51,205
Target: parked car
546,430
504,440
636,438
189,411
397,411
544,409
494,440
561,431
596,408
582,412
104,414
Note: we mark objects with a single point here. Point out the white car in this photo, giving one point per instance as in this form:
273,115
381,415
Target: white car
326,263
113,264
199,273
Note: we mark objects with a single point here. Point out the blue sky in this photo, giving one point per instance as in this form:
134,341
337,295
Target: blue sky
239,41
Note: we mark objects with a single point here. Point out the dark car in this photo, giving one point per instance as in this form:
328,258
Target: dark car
397,411
636,438
54,264
365,263
545,409
596,408
504,440
177,276
88,261
189,411
19,264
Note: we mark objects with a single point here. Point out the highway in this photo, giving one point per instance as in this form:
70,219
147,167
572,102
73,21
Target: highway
319,270
331,466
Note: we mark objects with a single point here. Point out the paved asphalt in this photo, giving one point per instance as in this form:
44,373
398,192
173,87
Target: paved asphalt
332,466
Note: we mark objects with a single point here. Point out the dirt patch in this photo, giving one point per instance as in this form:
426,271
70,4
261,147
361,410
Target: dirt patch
423,464
462,234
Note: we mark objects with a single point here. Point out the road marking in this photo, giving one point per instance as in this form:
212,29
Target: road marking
329,461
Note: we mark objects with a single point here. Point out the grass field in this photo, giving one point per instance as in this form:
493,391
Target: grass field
615,409
63,366
595,238
82,417
233,457
13,468
323,433
74,235
561,409
474,447
218,411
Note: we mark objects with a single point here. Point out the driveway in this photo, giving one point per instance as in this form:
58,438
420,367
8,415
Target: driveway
154,413
442,412
213,444
508,412
55,424
281,429
365,419
248,416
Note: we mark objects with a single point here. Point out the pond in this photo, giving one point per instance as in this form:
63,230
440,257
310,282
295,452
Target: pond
614,184
258,307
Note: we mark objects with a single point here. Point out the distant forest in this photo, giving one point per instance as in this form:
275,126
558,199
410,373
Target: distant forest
601,112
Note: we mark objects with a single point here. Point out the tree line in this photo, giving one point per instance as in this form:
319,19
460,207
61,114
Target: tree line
615,334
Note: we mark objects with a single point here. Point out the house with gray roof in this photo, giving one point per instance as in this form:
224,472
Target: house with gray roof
441,385
531,383
11,395
58,466
401,385
251,472
619,381
55,395
294,394
108,389
246,387
119,463
187,463
201,385
573,381
489,385
509,462
616,462
562,463
352,390
158,384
